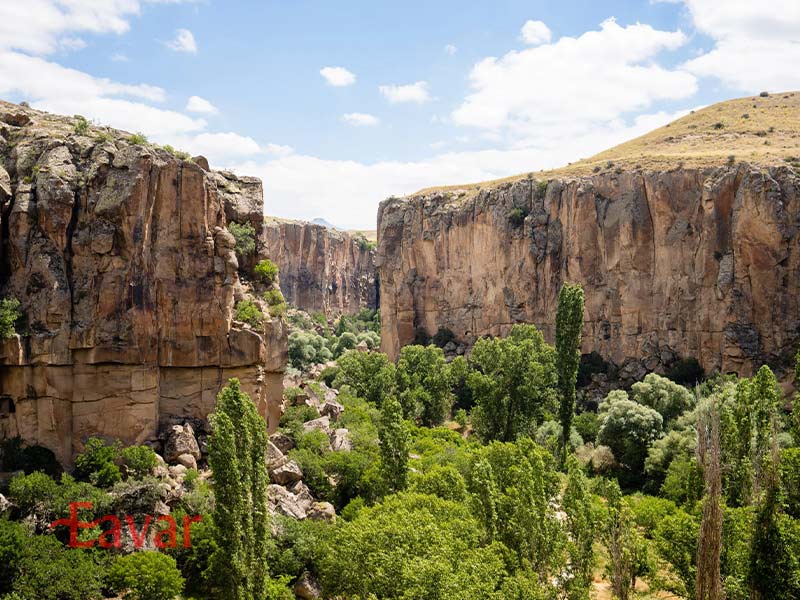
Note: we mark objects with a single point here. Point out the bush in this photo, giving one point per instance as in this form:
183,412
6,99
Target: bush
648,511
97,463
587,424
307,348
140,460
146,576
139,139
274,298
516,216
266,271
13,539
328,374
9,315
245,237
81,125
248,312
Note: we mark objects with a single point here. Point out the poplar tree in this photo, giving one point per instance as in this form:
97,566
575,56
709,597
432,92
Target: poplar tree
394,440
236,454
569,321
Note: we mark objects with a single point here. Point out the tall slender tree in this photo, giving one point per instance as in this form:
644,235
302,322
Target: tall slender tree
708,584
569,321
236,454
394,440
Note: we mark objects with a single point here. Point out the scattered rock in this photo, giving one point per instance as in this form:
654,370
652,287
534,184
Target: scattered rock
188,461
362,346
283,442
275,457
286,473
283,502
322,511
307,587
332,409
178,472
340,441
181,440
322,424
5,504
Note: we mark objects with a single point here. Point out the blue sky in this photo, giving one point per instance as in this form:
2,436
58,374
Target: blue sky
418,93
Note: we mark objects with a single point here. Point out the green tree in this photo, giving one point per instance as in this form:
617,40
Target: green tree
266,271
569,322
514,381
628,429
9,315
370,375
245,236
236,454
622,542
97,463
140,460
423,384
582,522
665,396
394,441
676,541
146,576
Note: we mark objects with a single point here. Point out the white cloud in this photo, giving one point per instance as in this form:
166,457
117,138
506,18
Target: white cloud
69,44
337,76
450,49
222,148
196,104
118,57
535,33
566,88
757,46
183,42
412,92
278,149
360,119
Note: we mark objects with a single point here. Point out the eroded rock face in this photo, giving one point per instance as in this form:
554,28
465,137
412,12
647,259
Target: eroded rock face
127,278
321,269
684,263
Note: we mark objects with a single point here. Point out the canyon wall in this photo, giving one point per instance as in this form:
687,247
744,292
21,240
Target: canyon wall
675,264
127,278
321,269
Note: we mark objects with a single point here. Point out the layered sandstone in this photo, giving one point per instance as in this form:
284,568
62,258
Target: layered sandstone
127,276
321,269
687,262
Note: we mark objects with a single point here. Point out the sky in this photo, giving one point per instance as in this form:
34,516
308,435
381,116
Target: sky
339,105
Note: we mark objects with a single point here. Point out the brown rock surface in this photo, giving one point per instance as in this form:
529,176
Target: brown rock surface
119,255
321,269
698,263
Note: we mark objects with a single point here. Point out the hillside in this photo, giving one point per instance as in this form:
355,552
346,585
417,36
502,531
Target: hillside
756,129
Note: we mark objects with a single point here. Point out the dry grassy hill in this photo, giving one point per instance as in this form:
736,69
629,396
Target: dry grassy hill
757,129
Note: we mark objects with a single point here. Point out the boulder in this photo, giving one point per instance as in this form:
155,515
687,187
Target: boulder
332,409
322,424
340,440
322,511
283,502
178,472
288,472
283,442
5,504
307,587
275,458
187,460
180,440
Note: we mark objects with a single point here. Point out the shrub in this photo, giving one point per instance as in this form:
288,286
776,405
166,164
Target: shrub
587,424
139,139
648,511
81,125
719,125
347,341
266,271
328,374
516,216
541,188
137,496
364,244
9,315
13,539
97,463
146,576
276,301
307,348
248,312
140,460
245,237
764,94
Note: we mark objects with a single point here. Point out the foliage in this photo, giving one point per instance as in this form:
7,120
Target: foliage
459,375
248,312
40,495
146,576
516,216
9,315
277,303
266,271
138,139
569,322
245,236
236,454
790,481
81,126
628,428
97,463
582,520
444,481
676,542
13,539
663,395
394,445
683,483
307,348
369,375
140,460
587,424
648,511
513,382
423,384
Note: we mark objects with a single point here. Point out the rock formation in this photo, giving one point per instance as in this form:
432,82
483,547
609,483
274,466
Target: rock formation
321,269
687,262
127,277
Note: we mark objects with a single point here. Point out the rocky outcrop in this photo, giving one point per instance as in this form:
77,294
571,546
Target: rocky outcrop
120,257
321,269
681,263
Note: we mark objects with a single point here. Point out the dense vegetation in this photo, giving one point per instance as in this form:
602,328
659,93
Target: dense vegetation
470,478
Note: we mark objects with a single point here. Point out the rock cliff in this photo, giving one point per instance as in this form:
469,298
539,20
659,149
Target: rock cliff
321,269
686,262
127,279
